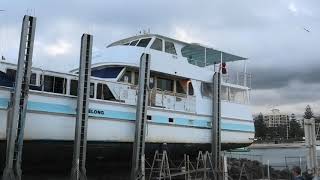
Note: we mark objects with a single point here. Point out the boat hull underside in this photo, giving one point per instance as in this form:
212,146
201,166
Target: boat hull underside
56,156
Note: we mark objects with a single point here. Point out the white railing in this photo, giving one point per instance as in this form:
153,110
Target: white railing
158,98
238,78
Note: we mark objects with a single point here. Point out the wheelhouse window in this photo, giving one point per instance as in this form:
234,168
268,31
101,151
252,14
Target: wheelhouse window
144,42
106,72
133,43
54,84
169,48
157,44
165,84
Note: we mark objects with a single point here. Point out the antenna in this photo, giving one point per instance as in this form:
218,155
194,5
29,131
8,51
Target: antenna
2,48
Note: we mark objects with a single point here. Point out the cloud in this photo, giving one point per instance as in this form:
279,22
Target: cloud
292,7
59,48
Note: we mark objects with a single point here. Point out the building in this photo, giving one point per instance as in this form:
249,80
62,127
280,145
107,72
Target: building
275,119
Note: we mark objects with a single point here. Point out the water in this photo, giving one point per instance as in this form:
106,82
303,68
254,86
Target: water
279,158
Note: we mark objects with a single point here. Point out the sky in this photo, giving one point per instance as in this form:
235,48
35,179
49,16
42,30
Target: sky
279,37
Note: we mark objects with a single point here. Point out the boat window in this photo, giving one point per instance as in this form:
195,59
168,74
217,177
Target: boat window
74,87
165,84
91,90
48,83
103,92
126,44
169,48
11,74
144,42
54,84
136,78
126,77
206,89
151,82
190,88
133,43
4,80
59,85
179,87
157,44
33,79
106,72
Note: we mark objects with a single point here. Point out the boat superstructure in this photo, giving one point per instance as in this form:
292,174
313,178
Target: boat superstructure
180,99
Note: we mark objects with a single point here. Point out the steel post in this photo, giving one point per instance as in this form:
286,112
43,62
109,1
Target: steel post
18,105
138,155
310,140
78,171
216,126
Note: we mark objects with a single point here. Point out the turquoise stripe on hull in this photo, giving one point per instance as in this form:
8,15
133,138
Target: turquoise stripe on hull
64,109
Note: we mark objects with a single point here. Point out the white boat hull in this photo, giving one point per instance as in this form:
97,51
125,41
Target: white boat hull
52,117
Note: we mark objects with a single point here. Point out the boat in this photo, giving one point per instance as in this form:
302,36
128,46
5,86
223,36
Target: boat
180,101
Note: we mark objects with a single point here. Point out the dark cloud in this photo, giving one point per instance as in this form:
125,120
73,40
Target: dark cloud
283,56
281,75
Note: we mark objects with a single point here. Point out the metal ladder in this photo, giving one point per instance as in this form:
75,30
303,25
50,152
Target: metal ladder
19,99
78,171
138,156
160,168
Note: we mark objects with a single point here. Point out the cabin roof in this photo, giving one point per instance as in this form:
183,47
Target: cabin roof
193,51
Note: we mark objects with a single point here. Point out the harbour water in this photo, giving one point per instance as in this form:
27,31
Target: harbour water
278,157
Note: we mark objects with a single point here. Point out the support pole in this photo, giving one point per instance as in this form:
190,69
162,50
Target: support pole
138,156
18,106
216,126
78,171
310,140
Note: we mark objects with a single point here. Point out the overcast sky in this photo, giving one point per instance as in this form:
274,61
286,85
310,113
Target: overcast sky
281,38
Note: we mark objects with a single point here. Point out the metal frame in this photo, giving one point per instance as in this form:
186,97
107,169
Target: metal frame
310,143
18,106
78,171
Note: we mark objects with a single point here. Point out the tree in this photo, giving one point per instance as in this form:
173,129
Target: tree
260,127
295,130
308,114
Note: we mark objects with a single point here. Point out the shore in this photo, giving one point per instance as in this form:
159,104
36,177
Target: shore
280,145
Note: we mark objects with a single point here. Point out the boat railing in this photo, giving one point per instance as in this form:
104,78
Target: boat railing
127,93
238,78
